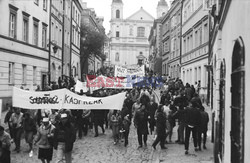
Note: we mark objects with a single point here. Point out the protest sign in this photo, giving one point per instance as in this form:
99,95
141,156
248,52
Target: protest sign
64,99
124,72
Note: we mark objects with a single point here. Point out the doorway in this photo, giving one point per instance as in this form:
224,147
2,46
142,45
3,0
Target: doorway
237,102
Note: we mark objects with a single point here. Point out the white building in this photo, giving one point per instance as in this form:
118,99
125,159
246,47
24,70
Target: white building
195,38
75,39
129,37
230,71
23,45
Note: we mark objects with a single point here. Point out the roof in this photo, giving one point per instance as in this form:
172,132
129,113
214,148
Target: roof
162,3
117,1
138,13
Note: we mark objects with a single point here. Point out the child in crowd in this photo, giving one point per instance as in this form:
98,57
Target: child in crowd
115,118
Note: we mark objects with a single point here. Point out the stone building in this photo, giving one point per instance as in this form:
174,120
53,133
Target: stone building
24,54
195,38
129,36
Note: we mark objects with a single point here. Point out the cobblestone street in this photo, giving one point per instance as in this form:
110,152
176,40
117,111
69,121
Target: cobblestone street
101,149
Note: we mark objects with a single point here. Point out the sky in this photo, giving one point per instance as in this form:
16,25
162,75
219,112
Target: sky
103,8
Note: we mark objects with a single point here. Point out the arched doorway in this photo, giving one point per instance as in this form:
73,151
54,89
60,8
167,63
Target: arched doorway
237,102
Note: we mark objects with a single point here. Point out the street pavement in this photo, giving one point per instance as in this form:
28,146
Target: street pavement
101,149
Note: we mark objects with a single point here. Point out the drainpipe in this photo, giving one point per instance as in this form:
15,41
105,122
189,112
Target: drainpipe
63,36
209,60
49,72
181,38
70,51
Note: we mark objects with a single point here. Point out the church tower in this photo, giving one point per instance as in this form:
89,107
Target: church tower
117,9
162,8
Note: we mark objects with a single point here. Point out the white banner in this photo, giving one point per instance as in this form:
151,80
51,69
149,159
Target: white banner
81,85
124,72
64,99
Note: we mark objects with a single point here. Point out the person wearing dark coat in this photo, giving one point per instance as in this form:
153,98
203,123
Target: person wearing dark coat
64,138
202,130
152,107
180,101
188,92
141,122
160,128
98,118
7,118
192,121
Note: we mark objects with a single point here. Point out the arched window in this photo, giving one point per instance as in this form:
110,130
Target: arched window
117,57
140,31
117,14
238,102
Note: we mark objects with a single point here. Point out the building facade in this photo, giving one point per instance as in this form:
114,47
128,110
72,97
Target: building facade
56,40
165,43
129,37
175,38
230,71
195,38
23,45
67,38
75,39
155,44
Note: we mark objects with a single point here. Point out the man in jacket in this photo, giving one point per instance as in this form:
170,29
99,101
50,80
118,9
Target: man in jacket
192,120
64,138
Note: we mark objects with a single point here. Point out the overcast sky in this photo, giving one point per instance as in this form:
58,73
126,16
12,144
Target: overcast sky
103,8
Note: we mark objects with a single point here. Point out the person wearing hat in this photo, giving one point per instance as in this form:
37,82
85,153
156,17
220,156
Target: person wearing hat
44,139
64,138
5,143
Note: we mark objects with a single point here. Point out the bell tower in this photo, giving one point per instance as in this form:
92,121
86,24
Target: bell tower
117,9
162,8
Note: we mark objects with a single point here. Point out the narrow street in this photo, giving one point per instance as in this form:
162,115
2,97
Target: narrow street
101,149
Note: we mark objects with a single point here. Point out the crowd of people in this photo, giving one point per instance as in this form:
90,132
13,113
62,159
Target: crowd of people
59,129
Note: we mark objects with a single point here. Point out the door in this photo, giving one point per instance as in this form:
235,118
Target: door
237,102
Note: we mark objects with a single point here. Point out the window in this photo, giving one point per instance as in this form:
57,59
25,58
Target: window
36,2
11,73
73,34
25,28
117,14
131,31
184,45
117,57
24,74
206,33
191,42
34,74
140,32
35,33
117,34
44,36
12,23
45,5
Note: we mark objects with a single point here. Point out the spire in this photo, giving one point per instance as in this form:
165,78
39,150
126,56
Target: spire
161,3
117,1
